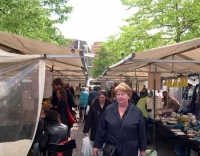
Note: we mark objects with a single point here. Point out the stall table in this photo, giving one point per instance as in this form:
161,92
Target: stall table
183,140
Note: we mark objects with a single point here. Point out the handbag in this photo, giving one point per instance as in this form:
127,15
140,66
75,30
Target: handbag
110,150
70,117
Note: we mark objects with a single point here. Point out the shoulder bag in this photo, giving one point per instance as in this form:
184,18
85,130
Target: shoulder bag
70,117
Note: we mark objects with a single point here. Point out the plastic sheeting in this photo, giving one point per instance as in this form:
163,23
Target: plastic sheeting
6,57
21,93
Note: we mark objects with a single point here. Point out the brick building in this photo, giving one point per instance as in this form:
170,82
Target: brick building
96,46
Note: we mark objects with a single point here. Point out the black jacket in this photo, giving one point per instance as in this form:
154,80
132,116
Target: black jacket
70,99
54,100
93,118
54,133
62,110
39,131
134,98
133,135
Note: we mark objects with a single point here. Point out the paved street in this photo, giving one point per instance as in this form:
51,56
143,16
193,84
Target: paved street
77,134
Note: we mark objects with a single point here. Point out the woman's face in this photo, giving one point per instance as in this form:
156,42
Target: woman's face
122,98
58,94
101,98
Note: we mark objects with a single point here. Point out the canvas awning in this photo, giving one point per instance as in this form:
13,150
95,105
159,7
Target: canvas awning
71,68
171,61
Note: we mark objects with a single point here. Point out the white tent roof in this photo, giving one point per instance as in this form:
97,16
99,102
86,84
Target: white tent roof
72,68
171,61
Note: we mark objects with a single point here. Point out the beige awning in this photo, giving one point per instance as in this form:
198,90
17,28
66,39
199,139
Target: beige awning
171,61
73,69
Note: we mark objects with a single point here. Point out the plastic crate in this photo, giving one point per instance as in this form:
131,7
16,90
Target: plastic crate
180,150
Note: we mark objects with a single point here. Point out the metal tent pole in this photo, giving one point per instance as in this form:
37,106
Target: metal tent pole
164,61
61,56
154,105
199,98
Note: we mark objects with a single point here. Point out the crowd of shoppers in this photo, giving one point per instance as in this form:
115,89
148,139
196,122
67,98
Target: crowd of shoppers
116,119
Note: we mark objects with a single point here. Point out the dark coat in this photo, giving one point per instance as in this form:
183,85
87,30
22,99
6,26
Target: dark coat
133,135
93,118
54,100
70,99
62,110
39,131
134,98
92,96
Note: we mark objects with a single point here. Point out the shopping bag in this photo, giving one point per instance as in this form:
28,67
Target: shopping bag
86,147
151,152
100,153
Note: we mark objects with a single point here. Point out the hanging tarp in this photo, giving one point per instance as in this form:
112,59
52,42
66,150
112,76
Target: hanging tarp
69,69
6,57
21,93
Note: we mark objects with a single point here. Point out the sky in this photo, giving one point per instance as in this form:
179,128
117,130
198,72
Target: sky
94,20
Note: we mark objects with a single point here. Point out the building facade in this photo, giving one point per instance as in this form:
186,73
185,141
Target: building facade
96,46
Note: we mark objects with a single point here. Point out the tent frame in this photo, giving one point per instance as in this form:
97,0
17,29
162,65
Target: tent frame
164,61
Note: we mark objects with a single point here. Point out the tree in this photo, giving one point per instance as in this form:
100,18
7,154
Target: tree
168,20
32,19
156,23
106,56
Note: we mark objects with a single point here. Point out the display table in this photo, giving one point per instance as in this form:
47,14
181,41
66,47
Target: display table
184,140
164,130
191,144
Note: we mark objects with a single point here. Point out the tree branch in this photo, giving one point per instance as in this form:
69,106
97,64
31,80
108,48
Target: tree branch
2,11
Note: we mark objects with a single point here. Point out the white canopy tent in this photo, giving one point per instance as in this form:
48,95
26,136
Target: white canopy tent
22,76
64,61
171,61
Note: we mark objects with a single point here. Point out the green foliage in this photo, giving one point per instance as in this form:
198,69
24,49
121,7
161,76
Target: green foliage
105,59
32,19
59,8
155,23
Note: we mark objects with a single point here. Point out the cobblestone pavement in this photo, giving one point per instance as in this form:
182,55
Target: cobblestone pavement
77,134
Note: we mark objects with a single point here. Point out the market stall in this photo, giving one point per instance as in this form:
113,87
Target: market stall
23,82
173,63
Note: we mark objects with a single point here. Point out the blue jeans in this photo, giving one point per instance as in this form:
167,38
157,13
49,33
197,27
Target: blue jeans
36,150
